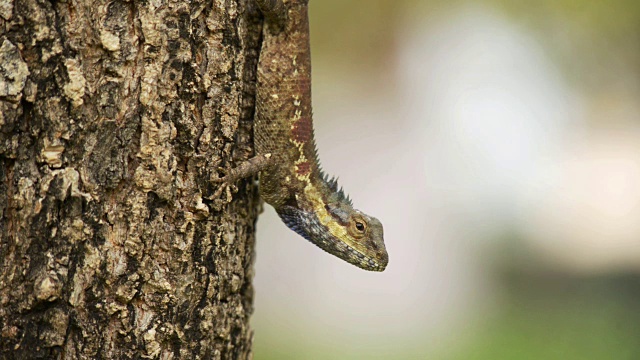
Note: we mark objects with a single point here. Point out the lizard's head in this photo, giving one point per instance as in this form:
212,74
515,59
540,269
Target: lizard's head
335,226
363,236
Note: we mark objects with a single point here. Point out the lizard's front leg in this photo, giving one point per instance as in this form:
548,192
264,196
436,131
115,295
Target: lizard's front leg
245,169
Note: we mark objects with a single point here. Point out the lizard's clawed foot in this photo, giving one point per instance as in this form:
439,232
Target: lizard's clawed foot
224,186
229,189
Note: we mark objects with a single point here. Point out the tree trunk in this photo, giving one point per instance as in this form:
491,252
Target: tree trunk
115,115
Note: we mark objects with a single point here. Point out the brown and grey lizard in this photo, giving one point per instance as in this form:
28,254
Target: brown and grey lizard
291,179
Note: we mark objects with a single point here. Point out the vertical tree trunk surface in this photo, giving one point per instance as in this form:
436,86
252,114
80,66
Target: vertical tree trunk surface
114,116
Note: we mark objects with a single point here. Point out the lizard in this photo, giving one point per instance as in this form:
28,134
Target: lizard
290,176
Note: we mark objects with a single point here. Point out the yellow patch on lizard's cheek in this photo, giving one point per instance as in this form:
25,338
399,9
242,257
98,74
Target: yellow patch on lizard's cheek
324,217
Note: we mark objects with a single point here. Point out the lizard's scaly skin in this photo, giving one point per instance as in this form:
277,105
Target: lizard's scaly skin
305,198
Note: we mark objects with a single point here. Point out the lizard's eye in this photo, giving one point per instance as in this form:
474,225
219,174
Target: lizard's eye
358,227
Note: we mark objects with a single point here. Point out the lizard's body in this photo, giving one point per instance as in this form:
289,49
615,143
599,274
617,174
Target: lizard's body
282,125
291,179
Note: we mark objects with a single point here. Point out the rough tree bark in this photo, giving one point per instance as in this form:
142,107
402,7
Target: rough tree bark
115,114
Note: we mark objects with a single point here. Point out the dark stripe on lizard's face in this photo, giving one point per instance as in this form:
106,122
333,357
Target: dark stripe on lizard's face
339,215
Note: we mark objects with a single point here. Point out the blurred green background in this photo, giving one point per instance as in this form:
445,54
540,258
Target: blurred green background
499,144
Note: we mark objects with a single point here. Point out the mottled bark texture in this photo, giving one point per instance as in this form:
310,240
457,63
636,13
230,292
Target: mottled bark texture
115,115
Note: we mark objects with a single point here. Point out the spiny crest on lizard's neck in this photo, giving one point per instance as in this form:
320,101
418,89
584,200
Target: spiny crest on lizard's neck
339,229
336,193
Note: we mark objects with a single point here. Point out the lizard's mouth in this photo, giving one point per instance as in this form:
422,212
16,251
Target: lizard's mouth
366,262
